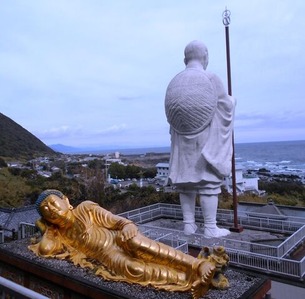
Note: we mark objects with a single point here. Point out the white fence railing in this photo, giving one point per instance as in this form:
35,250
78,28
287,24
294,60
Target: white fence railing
26,230
291,242
167,238
262,223
278,266
264,249
242,256
302,266
252,255
143,214
223,216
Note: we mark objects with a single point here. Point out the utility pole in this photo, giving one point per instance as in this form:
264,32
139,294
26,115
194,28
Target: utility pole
226,20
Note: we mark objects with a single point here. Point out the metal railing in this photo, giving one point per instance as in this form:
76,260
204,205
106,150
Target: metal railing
223,216
262,223
291,242
167,238
26,230
268,250
278,266
10,289
302,266
251,255
1,236
244,257
143,214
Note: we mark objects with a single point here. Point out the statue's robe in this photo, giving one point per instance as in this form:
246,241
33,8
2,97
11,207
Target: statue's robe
201,133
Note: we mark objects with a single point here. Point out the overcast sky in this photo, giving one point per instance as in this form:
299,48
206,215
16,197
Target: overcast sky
94,72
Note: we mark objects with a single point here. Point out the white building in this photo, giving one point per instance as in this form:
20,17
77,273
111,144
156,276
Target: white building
162,172
244,182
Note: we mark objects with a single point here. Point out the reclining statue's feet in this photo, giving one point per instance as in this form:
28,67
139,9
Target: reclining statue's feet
198,290
190,228
206,272
215,232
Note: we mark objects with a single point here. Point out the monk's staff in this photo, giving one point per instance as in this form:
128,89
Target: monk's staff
226,21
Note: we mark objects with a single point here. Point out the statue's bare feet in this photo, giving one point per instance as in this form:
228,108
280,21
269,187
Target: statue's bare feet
205,272
215,232
198,289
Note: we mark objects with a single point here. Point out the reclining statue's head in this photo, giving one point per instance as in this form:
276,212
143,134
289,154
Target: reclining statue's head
54,207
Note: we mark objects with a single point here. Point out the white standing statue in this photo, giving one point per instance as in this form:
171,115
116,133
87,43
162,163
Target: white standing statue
200,114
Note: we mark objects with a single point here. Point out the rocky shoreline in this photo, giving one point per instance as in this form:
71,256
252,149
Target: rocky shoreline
267,175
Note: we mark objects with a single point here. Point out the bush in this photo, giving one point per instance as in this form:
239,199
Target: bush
286,189
2,163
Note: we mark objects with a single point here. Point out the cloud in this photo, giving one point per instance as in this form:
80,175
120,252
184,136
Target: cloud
96,72
113,129
59,132
266,119
287,125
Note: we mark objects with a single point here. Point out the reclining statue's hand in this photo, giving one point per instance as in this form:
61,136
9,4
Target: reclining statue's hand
129,231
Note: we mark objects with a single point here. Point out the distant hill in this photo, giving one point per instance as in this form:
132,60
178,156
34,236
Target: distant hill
106,150
18,143
65,149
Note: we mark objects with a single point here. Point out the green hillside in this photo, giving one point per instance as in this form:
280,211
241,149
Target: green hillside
18,143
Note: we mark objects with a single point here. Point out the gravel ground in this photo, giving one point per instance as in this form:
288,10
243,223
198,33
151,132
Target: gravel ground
240,282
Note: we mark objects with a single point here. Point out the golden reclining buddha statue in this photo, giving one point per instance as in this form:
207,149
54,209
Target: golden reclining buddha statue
90,236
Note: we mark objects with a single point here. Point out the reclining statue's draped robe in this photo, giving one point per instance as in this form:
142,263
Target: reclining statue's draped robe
140,259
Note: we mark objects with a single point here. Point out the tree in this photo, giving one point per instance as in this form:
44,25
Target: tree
96,189
96,164
133,171
150,172
117,170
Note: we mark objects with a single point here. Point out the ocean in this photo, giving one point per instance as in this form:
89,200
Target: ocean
278,157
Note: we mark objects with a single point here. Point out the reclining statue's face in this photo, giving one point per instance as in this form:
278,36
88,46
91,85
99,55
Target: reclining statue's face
55,209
